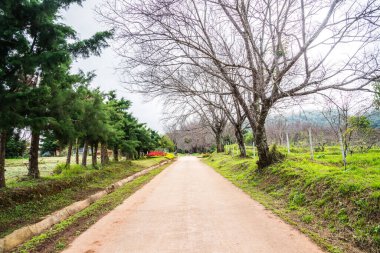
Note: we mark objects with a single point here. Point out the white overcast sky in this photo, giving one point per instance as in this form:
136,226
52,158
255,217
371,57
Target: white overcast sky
83,20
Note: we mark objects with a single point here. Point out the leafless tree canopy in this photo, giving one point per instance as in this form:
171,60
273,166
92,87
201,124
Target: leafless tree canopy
261,51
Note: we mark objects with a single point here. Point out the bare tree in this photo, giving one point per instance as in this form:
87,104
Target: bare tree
191,136
237,118
264,50
337,111
184,108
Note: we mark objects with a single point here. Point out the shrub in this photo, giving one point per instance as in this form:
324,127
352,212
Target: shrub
156,153
308,218
296,199
170,156
72,169
59,168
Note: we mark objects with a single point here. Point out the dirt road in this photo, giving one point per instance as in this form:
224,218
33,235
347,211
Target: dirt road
191,208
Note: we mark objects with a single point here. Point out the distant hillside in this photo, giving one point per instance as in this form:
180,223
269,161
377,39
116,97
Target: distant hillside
317,118
314,117
375,119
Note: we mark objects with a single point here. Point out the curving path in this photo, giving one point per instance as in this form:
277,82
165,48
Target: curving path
191,208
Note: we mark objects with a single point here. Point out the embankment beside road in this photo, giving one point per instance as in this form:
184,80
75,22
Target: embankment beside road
31,202
339,209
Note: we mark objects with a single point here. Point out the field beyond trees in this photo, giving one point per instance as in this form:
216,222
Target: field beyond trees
339,208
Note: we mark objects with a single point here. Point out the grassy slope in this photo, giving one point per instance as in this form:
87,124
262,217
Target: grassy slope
32,210
334,206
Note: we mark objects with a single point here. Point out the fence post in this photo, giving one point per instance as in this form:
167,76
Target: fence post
343,152
287,142
311,145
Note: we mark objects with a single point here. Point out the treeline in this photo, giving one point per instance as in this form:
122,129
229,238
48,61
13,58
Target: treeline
39,94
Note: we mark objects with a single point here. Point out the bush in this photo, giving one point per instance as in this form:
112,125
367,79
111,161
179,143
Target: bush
59,168
170,156
307,218
156,153
296,199
72,169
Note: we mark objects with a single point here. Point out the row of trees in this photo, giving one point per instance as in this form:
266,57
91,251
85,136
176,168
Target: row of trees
39,95
35,83
239,59
346,119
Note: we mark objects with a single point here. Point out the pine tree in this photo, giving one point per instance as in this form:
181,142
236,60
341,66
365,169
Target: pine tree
35,56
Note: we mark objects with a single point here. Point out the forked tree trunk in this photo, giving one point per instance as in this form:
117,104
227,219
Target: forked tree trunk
262,148
3,140
260,138
69,152
84,155
219,144
33,170
240,140
115,154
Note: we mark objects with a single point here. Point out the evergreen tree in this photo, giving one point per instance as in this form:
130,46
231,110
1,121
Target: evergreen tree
36,53
15,145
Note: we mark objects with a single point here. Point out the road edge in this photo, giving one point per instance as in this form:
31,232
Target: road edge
265,200
24,234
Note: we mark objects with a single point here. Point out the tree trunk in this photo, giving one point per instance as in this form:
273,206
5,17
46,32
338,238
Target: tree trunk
287,143
3,140
115,154
138,155
219,144
240,140
344,151
94,154
84,155
76,152
92,151
104,154
33,155
69,152
311,145
262,148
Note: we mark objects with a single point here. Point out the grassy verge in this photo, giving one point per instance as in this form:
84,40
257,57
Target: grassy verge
339,209
30,201
57,238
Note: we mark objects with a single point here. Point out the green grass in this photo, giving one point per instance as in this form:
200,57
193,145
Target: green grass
83,219
17,168
47,166
51,193
317,195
